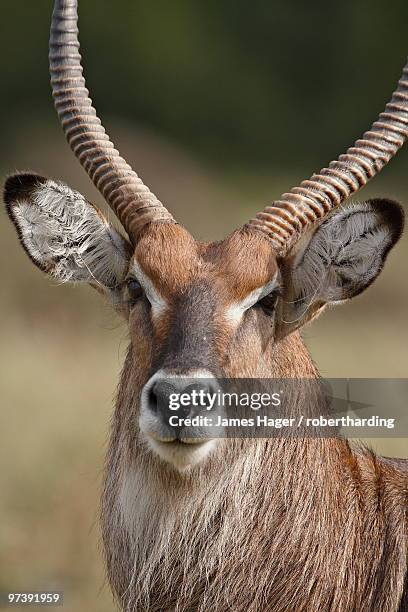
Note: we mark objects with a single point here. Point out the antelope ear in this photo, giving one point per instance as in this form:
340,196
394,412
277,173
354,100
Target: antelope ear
65,235
337,261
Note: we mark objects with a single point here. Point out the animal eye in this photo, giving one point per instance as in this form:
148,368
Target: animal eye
268,303
135,290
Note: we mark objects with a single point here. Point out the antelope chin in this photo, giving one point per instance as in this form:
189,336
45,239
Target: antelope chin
181,454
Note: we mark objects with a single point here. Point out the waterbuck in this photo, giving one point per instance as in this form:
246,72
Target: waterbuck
283,524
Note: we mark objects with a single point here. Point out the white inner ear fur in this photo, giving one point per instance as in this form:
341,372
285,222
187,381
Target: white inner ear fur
343,256
68,237
235,311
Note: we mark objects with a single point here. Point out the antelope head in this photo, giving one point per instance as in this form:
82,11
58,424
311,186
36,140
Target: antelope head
202,310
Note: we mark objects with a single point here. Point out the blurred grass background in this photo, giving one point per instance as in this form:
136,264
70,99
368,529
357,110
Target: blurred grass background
220,107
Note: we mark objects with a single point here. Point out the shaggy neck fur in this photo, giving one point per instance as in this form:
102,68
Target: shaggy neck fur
276,525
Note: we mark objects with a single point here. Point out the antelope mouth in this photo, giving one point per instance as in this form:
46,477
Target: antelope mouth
175,441
181,453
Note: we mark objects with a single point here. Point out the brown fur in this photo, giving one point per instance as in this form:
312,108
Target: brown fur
277,525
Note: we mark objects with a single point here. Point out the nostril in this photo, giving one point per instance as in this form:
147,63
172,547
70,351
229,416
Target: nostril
188,396
202,394
159,395
201,390
153,398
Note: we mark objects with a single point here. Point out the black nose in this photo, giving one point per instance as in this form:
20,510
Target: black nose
180,397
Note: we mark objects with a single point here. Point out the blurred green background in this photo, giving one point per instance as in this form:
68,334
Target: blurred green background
220,106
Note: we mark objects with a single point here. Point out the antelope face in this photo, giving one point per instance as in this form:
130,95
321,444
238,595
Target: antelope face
195,300
198,312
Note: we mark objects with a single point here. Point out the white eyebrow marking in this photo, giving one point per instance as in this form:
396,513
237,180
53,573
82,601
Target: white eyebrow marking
157,301
235,311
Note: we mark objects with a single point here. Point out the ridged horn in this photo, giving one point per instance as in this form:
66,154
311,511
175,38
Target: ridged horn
285,219
132,202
